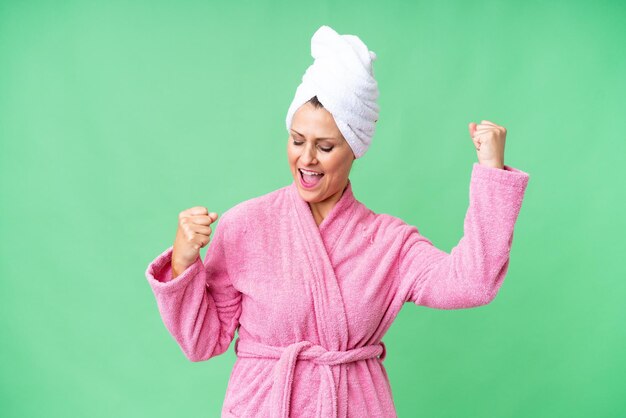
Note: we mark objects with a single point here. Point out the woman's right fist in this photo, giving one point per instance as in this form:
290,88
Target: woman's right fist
193,233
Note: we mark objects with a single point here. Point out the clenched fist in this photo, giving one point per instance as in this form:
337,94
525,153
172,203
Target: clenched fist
489,140
193,233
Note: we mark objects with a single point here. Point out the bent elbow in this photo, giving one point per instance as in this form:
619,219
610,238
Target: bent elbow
195,358
486,299
484,296
211,348
195,355
487,286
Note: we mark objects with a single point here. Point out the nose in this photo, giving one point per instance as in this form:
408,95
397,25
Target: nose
309,156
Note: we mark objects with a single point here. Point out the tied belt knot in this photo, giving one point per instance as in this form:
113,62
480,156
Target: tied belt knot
305,350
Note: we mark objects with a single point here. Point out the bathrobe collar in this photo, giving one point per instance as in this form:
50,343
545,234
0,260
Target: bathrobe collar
337,214
319,244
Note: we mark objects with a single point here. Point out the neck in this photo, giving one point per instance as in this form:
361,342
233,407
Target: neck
321,209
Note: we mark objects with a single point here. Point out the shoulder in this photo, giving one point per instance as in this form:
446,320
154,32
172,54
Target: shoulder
379,220
258,208
383,225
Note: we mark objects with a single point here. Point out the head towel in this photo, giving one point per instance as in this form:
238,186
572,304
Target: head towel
342,78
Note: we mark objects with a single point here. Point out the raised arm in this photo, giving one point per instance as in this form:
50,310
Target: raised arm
472,273
200,307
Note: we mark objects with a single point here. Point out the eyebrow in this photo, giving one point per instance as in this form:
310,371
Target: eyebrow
317,139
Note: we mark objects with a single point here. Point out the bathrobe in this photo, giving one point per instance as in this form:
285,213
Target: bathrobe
312,304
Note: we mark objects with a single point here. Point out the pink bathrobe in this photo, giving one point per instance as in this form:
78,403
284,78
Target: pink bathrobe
312,304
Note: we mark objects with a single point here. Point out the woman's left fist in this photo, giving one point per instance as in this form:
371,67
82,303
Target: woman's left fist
489,140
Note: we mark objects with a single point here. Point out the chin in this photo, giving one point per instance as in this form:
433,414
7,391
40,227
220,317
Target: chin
307,195
310,196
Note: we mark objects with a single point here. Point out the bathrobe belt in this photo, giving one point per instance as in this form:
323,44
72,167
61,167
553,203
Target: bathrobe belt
305,350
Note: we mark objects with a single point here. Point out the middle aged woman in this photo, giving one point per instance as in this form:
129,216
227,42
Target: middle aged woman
310,276
319,157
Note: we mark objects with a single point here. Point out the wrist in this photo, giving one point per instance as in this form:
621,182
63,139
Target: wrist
178,269
492,164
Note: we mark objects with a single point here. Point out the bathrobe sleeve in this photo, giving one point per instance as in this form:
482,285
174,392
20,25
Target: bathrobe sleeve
472,273
200,307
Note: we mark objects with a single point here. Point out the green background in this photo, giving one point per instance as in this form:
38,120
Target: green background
115,116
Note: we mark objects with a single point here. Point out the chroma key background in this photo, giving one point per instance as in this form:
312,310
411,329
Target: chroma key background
115,116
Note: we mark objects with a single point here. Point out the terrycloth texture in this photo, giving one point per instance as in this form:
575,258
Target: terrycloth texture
313,304
306,350
342,78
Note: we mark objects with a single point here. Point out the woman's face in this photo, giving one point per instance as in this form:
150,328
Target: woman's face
316,144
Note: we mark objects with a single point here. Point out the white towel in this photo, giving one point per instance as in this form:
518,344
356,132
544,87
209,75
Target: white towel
342,78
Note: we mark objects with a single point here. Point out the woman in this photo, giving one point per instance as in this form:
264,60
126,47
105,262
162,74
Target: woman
310,276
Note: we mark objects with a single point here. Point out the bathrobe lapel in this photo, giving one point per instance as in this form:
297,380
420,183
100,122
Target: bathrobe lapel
328,302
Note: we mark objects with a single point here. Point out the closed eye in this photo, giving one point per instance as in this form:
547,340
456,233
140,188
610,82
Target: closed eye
325,149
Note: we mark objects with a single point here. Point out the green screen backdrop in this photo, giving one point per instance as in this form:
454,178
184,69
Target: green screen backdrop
115,116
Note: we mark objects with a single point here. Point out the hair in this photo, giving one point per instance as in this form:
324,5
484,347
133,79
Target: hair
313,100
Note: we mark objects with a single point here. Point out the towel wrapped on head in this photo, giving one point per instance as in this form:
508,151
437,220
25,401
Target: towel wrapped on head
342,78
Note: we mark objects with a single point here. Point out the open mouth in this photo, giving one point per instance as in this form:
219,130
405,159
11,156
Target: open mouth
310,178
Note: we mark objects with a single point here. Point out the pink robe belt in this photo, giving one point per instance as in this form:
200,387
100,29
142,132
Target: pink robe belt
305,350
